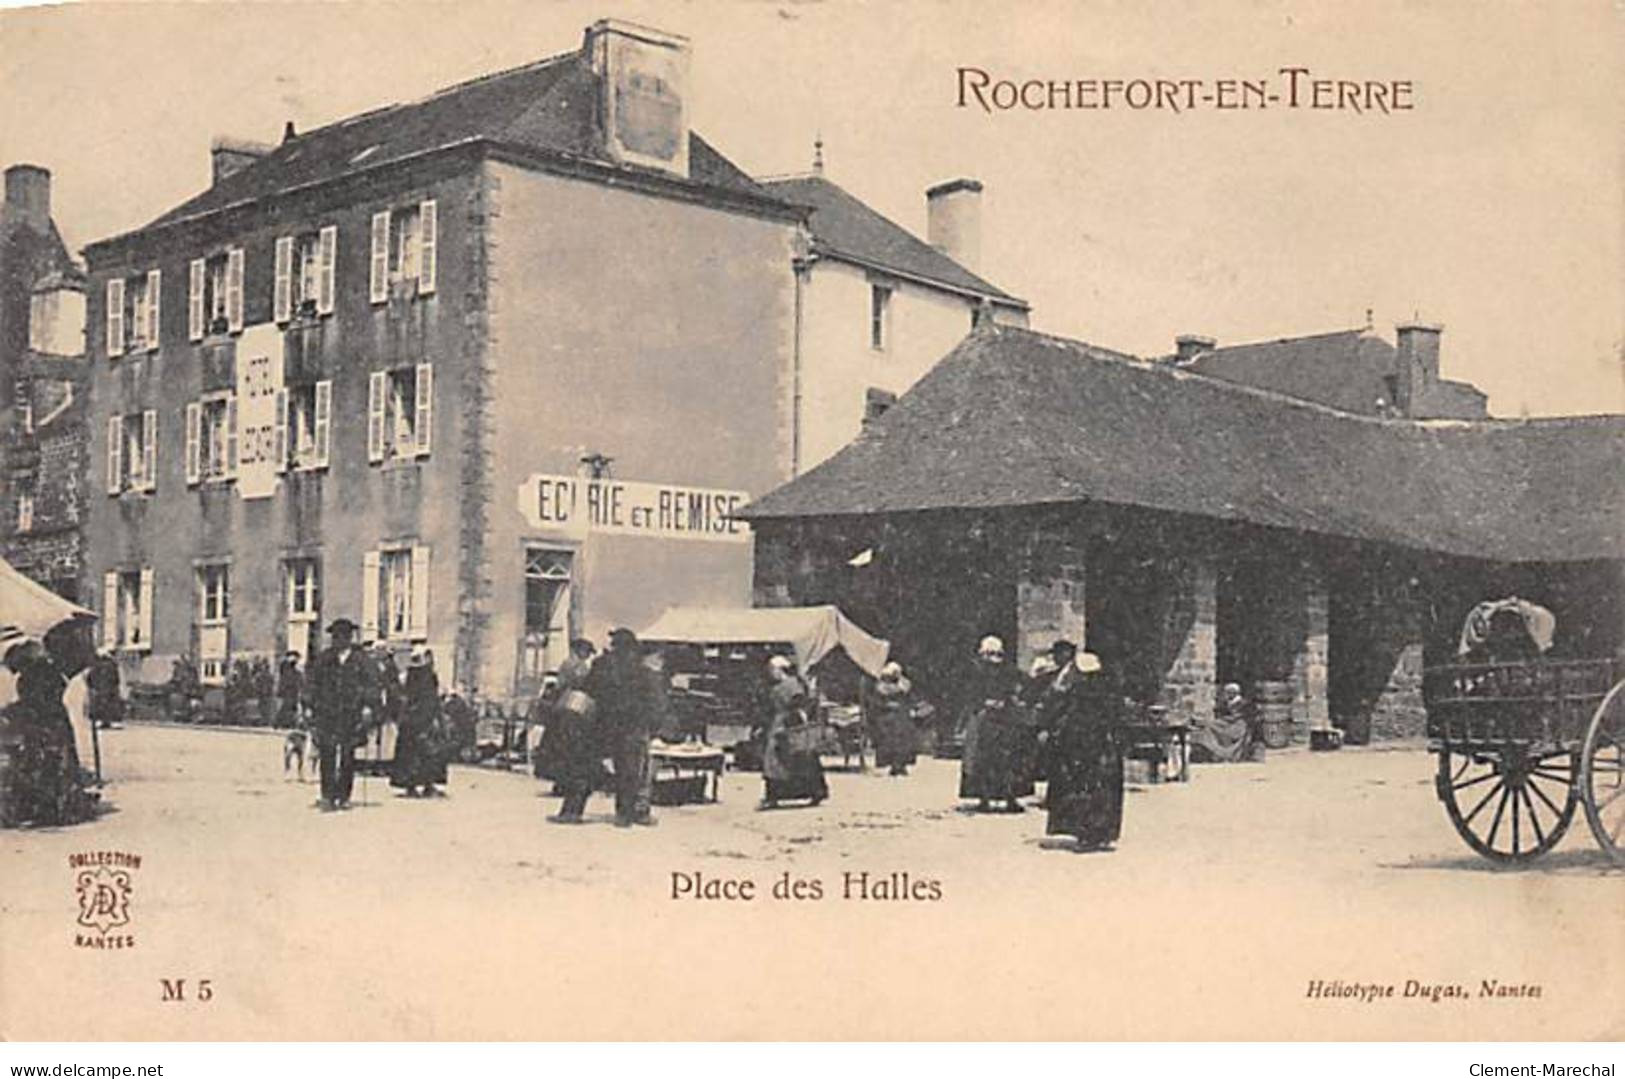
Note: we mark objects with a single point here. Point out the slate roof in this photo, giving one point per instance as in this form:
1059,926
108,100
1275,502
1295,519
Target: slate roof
843,227
1343,369
547,106
1012,417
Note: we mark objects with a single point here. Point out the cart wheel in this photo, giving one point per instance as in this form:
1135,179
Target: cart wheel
1510,804
1602,774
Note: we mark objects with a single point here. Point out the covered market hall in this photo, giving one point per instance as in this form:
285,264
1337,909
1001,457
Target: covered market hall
1193,531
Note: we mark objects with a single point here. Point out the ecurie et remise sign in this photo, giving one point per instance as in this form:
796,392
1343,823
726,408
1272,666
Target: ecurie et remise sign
631,508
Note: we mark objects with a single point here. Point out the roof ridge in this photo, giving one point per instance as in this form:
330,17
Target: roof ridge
1358,331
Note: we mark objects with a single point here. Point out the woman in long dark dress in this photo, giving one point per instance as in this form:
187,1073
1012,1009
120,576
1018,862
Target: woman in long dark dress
995,765
1086,761
789,771
47,783
889,717
420,762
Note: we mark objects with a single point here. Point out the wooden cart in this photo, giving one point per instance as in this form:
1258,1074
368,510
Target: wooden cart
1520,743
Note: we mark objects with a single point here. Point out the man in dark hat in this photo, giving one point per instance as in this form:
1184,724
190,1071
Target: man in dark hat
343,686
624,691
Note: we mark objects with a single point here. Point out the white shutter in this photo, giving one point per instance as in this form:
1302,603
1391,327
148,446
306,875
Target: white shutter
369,596
380,257
155,281
427,236
324,421
149,449
279,434
234,288
424,420
420,594
282,290
115,454
110,610
194,441
327,265
377,390
144,616
194,301
115,316
231,435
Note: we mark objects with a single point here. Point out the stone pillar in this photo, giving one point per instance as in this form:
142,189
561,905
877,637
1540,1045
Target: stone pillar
1190,639
1050,591
1309,707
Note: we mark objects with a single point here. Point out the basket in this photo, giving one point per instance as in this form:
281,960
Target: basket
805,738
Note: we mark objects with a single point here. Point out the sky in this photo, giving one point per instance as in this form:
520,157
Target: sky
1495,206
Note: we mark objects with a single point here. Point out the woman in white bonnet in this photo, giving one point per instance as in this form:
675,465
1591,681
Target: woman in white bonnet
1085,793
994,766
888,717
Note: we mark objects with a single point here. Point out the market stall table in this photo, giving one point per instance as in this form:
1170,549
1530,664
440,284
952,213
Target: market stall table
680,767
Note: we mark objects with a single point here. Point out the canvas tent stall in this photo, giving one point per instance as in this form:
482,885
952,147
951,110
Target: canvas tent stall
718,660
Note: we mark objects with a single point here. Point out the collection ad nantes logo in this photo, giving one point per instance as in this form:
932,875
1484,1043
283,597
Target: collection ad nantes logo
103,883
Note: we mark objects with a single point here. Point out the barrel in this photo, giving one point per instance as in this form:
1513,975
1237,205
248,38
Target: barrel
1275,713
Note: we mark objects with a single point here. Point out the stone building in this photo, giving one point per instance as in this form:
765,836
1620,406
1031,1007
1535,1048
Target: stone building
876,306
481,372
42,388
1192,531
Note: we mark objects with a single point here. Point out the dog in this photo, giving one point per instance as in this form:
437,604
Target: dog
295,748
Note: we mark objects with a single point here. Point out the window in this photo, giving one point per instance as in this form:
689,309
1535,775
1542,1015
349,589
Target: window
304,273
214,594
215,294
879,316
127,609
43,309
400,412
304,602
547,611
309,423
211,439
25,408
25,511
132,452
213,611
133,313
395,594
404,251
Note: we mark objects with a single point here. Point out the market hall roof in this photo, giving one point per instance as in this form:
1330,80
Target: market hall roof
845,228
547,108
1012,417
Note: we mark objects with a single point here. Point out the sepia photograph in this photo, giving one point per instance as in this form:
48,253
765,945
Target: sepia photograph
762,520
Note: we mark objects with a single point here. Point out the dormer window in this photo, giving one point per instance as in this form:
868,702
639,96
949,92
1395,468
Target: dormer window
304,273
404,251
132,313
215,294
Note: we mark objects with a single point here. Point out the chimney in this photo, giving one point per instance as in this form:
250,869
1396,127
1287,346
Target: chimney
953,220
228,155
643,93
1417,365
28,191
1188,346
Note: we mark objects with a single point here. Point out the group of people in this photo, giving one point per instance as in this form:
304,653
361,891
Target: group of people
350,696
603,705
1060,722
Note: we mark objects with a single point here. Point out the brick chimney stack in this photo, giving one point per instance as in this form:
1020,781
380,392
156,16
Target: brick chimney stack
953,220
1188,346
1417,365
28,192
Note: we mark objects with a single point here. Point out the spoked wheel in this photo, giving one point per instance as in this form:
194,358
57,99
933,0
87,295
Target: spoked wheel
1510,803
1602,774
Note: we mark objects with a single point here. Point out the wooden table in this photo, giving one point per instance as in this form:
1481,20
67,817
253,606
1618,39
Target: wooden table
685,761
1150,742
